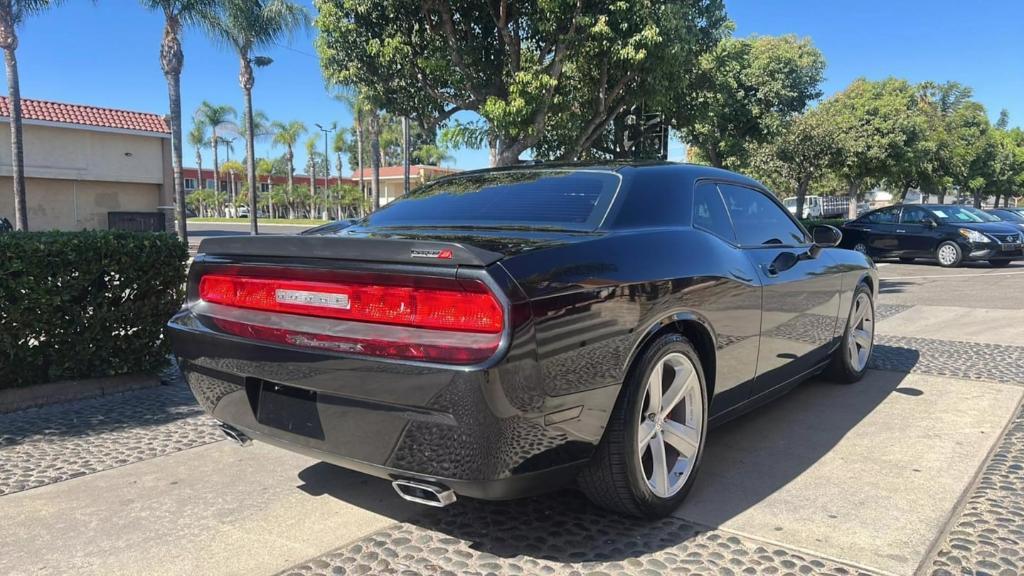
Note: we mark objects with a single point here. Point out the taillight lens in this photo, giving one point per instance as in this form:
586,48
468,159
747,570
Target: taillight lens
457,322
460,310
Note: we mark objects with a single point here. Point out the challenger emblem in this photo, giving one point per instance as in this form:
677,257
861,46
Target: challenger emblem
305,298
445,254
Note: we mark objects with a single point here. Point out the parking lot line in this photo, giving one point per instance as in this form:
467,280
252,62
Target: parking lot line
955,275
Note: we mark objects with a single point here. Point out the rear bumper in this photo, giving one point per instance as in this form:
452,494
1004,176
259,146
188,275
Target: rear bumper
481,432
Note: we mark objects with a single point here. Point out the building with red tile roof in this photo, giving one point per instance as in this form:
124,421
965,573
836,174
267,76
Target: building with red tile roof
392,178
88,166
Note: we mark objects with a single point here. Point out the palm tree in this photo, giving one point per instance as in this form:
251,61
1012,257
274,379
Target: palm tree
288,135
339,146
216,117
354,101
234,170
12,14
262,126
265,168
172,59
197,140
248,25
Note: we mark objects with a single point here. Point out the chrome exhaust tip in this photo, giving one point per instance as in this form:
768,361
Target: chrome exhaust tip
235,434
423,493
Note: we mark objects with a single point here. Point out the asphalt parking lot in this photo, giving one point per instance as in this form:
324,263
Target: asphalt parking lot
919,469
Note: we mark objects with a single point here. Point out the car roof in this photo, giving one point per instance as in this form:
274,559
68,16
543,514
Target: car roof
690,171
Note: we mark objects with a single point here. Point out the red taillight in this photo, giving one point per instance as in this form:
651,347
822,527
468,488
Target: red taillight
437,320
458,310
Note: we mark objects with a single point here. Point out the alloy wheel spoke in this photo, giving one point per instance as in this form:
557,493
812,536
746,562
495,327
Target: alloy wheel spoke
659,476
681,386
863,337
683,438
654,389
647,431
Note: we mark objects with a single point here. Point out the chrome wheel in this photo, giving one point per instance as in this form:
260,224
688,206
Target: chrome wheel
861,332
861,247
671,424
947,254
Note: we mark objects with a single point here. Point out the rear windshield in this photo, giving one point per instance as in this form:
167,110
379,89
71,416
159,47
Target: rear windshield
541,199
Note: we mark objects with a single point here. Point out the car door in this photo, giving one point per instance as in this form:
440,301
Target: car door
916,234
877,230
800,294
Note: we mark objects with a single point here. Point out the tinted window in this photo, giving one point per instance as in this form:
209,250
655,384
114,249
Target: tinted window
568,200
709,211
884,216
757,219
914,215
961,214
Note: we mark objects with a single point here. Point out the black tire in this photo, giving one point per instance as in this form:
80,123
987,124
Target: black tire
951,263
839,368
614,478
999,263
907,260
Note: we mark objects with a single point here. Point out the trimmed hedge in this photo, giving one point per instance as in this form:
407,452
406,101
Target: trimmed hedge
837,222
86,304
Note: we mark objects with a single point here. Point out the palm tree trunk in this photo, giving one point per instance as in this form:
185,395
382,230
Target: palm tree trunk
17,142
291,181
250,162
359,151
216,164
200,184
375,159
171,61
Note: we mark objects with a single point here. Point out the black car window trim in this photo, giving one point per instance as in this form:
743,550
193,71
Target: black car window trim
734,242
771,198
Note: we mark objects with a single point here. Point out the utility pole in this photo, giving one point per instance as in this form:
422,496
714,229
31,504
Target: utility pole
327,163
405,155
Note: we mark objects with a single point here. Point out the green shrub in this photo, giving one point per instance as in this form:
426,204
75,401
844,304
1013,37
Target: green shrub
837,222
85,304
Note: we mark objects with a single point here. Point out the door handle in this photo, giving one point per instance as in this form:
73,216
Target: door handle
900,230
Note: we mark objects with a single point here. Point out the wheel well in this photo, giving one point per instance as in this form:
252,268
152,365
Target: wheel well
867,281
702,341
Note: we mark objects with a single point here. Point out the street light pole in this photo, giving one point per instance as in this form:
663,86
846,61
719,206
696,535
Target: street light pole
327,162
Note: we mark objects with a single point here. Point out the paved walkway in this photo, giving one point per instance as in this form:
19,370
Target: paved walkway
918,469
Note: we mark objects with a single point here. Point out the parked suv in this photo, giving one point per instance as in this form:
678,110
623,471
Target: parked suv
951,234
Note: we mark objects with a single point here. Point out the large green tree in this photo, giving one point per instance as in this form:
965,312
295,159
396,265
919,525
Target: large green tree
743,91
177,13
12,14
881,124
516,64
803,150
248,26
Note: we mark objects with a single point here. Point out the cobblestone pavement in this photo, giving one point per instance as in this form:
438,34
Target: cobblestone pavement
62,441
965,360
557,534
988,535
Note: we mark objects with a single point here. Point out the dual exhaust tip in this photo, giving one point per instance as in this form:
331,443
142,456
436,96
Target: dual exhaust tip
425,493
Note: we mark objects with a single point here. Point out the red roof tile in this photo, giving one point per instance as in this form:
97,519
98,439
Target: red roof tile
87,115
396,171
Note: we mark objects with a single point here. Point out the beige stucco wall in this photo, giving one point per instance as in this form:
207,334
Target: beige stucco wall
76,205
74,177
77,154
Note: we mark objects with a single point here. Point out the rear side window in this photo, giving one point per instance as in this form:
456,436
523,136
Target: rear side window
758,220
709,212
881,217
544,199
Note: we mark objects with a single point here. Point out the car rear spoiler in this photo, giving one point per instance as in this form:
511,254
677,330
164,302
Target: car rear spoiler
351,248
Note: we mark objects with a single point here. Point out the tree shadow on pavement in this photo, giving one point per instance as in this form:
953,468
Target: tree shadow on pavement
746,460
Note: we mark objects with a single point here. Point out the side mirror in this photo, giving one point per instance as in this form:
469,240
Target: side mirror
826,236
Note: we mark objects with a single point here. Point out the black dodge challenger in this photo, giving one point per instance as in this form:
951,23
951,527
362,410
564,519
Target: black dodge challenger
505,332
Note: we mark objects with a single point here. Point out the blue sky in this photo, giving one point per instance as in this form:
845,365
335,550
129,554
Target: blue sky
106,54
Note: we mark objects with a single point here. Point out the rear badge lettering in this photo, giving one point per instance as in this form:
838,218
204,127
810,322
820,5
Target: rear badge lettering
445,254
305,298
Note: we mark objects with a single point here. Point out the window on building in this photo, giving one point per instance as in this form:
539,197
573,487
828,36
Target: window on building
264,187
223,185
209,184
190,183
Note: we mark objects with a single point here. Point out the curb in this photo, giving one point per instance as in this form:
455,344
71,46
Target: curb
14,399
